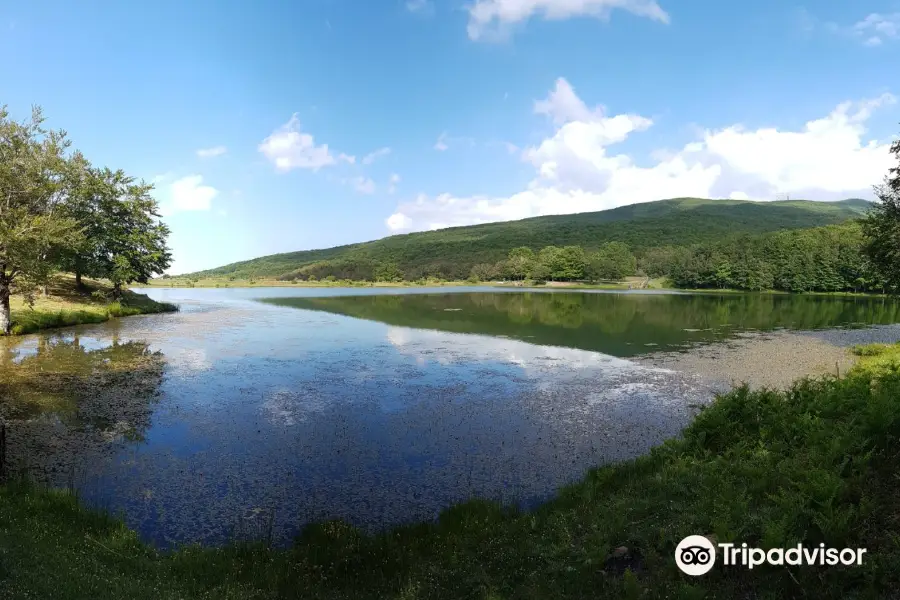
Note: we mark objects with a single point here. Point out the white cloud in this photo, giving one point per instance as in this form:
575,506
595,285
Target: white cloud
363,185
288,148
212,152
398,222
185,194
563,105
576,171
876,28
373,156
392,183
419,6
492,18
444,141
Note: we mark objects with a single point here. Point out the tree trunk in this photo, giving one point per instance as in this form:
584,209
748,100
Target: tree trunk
117,291
5,312
78,283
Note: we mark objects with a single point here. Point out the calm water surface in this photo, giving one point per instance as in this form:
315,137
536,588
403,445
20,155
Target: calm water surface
376,406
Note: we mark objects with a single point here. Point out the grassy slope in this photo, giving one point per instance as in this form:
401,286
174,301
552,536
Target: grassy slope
677,221
67,305
815,464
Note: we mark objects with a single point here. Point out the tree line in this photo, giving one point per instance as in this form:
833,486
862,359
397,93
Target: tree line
860,255
58,212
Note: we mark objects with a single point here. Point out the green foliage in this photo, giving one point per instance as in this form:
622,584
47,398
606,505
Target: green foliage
521,263
882,226
389,272
63,214
612,260
34,182
451,253
823,259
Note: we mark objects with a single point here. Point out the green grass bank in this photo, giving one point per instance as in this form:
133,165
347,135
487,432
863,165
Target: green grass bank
67,304
816,463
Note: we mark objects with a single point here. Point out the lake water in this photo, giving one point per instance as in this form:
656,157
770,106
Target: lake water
268,408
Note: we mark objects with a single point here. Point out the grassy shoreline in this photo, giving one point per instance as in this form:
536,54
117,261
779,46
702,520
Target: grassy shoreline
66,305
658,284
813,464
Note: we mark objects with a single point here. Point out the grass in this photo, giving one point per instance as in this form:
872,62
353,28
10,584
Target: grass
66,305
817,463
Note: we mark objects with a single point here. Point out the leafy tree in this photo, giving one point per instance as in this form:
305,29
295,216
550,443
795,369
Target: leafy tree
483,272
572,263
613,260
388,272
882,226
548,264
35,177
133,245
520,263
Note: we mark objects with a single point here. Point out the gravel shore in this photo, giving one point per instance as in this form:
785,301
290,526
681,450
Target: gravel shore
772,359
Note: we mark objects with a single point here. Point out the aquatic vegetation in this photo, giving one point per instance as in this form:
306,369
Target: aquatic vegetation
812,464
66,405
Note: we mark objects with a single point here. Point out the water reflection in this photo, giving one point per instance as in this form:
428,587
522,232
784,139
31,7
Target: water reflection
235,411
616,324
70,407
232,410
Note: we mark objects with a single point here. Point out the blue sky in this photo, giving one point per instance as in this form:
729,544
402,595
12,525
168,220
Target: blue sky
276,126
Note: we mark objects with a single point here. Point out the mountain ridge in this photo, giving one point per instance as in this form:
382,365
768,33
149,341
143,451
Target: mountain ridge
451,252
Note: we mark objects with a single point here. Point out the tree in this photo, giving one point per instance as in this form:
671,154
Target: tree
133,243
549,264
388,272
572,263
613,260
483,272
881,226
35,177
521,262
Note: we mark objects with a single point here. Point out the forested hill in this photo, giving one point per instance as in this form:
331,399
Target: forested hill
452,252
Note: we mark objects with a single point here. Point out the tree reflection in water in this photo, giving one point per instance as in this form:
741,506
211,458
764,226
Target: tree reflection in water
68,404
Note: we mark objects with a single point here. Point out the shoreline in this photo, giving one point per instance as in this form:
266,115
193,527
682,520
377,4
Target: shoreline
772,359
656,285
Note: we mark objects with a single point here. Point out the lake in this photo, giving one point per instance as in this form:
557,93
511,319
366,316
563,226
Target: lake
254,411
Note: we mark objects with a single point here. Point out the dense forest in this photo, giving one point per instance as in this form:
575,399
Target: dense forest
61,213
452,253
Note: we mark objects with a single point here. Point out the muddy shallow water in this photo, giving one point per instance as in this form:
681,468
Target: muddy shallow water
246,418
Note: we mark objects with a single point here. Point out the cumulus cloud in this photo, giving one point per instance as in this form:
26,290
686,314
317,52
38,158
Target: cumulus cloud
184,194
398,222
563,105
289,148
492,18
368,159
576,169
212,152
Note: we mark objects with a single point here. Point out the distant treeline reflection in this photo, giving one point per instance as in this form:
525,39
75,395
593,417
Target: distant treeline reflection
617,324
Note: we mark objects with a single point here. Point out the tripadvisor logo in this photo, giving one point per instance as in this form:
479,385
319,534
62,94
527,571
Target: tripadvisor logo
696,555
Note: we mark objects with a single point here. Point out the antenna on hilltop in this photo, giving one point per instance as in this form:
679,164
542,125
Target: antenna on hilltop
782,196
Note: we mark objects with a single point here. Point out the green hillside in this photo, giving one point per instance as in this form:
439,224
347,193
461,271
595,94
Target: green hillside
452,252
